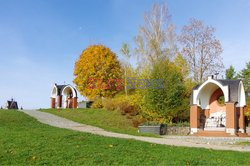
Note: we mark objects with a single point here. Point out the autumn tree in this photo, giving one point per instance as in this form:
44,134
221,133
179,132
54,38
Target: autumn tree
230,73
182,65
126,54
156,38
201,49
96,72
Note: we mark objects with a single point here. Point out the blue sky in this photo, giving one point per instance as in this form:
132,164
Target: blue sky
41,40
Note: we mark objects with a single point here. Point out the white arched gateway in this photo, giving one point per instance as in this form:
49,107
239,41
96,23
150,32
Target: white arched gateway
218,105
69,94
63,96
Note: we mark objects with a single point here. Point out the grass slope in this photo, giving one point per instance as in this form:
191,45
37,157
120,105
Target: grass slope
108,120
25,141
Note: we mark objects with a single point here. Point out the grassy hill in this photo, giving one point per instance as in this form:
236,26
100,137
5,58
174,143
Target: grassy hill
108,120
25,141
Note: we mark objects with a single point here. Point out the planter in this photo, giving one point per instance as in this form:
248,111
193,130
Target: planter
154,129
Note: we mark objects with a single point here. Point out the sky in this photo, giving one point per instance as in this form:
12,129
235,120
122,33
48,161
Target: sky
41,40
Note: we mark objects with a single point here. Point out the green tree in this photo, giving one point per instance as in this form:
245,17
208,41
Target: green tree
244,75
183,67
230,73
126,53
162,104
182,64
94,69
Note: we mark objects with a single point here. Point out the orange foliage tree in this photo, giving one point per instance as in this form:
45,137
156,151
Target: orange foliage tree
98,72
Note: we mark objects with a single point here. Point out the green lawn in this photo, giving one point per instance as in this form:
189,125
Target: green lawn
108,120
247,143
25,141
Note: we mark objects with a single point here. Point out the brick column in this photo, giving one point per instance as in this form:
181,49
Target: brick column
242,120
59,101
207,113
231,118
53,102
75,102
194,119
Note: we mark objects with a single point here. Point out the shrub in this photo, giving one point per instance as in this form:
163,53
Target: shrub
125,104
109,104
138,120
181,113
151,123
97,103
247,113
180,124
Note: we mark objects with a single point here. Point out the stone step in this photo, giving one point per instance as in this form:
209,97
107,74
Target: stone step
243,135
219,134
215,129
212,133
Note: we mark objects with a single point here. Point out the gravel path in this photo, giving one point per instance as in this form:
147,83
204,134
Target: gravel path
218,143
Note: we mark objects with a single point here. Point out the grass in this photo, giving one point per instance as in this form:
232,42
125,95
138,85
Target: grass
246,143
108,120
25,141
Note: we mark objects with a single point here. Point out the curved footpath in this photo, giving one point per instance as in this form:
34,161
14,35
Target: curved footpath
217,143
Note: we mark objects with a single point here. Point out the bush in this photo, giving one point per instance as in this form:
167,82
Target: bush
109,104
247,113
151,123
97,103
128,106
179,124
125,104
137,121
181,113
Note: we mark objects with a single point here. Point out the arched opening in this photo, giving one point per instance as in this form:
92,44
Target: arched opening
217,111
53,96
68,95
211,99
54,92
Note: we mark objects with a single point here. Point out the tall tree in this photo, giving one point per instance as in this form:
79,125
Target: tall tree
126,53
163,103
244,75
201,49
182,64
94,69
230,73
156,38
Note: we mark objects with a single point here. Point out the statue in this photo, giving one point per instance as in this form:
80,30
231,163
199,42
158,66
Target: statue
217,119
